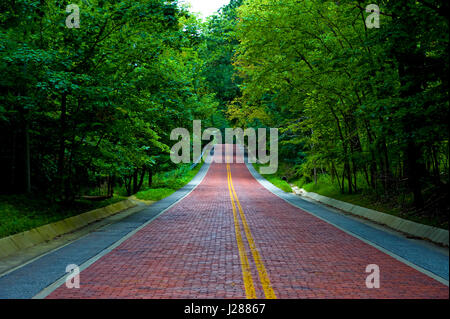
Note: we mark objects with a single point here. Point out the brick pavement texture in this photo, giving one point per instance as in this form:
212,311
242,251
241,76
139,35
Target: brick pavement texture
190,251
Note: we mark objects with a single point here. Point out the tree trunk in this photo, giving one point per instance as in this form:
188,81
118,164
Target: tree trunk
135,181
62,143
436,171
337,176
414,173
27,159
128,185
141,180
110,186
349,176
13,161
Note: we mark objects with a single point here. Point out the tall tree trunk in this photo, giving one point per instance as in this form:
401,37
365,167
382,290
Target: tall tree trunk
315,176
27,158
436,171
345,150
349,176
141,180
411,68
373,162
366,176
110,186
62,143
388,174
128,180
337,176
113,184
135,181
414,172
13,160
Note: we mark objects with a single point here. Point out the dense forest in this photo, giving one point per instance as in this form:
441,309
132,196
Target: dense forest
98,102
366,107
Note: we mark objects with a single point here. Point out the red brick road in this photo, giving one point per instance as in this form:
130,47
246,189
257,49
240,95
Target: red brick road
191,251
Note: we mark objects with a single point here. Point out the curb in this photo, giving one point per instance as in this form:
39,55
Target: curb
434,234
29,238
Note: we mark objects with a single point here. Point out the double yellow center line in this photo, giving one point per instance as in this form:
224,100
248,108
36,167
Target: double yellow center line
246,272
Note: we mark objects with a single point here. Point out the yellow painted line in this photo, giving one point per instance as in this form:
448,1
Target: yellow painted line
246,273
263,276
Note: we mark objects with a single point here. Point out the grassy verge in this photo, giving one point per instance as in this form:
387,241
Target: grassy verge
165,184
325,187
368,200
20,213
276,179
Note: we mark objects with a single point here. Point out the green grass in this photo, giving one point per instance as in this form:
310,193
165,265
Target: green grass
365,199
275,179
165,184
20,213
155,194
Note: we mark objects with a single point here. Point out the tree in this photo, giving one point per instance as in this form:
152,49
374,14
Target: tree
356,101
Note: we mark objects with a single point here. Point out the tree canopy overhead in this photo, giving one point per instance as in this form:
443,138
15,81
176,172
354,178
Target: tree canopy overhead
367,106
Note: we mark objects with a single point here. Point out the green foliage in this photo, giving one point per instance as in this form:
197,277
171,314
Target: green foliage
96,104
21,213
350,101
155,194
327,187
276,179
217,50
166,183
